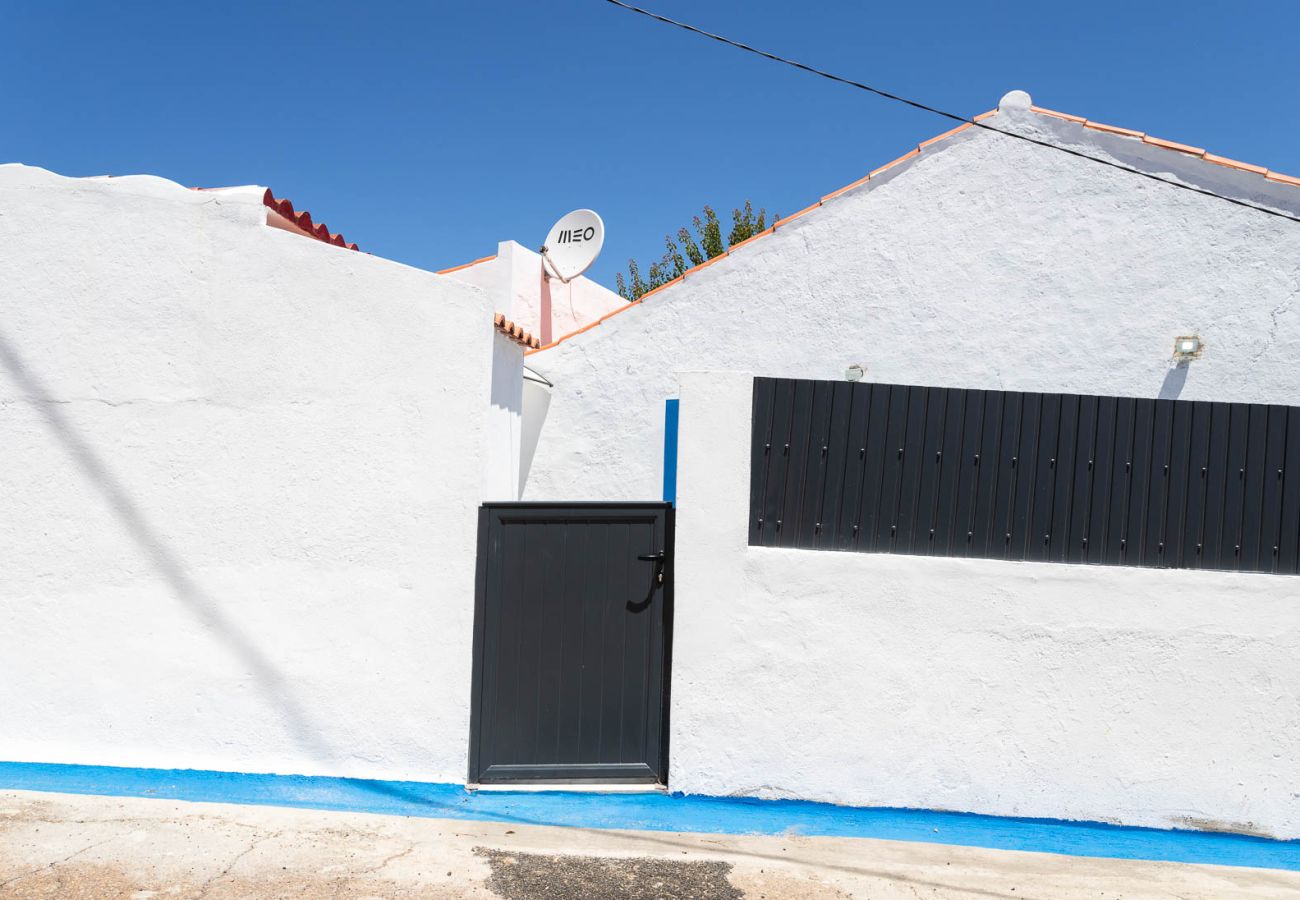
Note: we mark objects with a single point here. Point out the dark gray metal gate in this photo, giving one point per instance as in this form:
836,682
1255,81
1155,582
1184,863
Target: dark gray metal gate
572,630
888,468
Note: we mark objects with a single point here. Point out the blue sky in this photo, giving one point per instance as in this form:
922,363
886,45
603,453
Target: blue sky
428,131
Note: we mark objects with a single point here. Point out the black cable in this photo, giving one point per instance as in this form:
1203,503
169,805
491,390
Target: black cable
947,115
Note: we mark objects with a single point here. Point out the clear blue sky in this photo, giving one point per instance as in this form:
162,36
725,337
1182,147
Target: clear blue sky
428,131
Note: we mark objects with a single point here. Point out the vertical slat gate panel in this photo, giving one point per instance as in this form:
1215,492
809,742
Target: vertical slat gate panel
1216,490
837,458
855,467
1153,527
1197,487
796,476
1026,476
984,520
1062,506
913,444
1175,520
885,404
807,531
948,536
1085,465
1121,481
1144,418
1253,556
1038,538
1235,487
999,539
1274,473
962,534
931,472
891,468
1103,474
1289,536
778,462
760,442
595,586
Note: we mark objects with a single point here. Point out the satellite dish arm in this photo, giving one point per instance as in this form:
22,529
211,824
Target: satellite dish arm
554,272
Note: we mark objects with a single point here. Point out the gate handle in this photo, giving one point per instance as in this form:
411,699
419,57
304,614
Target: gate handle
654,557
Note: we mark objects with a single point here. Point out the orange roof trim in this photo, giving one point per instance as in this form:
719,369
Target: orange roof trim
515,332
1199,152
481,259
1172,146
790,218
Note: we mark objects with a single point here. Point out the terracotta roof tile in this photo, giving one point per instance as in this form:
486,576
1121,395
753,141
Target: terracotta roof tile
1282,179
947,134
301,219
707,263
1173,145
649,293
1112,129
790,218
515,332
1058,115
753,237
889,165
1234,164
848,187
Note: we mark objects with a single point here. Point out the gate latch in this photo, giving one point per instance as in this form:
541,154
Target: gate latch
659,557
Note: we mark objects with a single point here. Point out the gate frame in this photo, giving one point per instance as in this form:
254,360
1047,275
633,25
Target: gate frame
474,770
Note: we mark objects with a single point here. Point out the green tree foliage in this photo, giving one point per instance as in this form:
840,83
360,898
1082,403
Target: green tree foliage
690,249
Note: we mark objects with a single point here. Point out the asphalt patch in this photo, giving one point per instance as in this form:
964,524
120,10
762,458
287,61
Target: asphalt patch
540,876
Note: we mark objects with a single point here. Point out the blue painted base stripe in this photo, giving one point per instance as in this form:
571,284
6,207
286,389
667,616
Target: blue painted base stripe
658,812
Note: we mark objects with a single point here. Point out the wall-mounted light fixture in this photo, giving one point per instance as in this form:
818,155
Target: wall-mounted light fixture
855,372
1188,347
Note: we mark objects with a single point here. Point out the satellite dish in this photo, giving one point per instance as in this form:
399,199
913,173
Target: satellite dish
573,243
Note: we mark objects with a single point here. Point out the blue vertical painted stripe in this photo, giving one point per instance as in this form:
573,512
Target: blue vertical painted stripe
670,451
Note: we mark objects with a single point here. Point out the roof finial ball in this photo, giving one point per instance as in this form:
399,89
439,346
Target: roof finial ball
1015,101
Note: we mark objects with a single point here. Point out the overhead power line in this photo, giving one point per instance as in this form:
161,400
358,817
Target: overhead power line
915,104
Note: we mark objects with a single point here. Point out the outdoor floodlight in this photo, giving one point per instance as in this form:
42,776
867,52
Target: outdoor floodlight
1188,347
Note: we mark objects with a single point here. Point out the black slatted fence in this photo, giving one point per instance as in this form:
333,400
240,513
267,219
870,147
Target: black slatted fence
884,468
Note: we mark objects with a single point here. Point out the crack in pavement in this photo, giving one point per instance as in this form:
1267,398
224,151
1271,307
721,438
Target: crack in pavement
253,845
407,852
58,862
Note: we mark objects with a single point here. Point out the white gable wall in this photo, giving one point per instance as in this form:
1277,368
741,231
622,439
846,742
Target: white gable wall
985,262
241,470
1139,696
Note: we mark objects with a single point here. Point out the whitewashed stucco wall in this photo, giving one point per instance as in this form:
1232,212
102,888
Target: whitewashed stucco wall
1140,696
240,476
985,262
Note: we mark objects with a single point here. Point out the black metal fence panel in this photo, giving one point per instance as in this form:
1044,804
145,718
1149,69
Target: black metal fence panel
887,468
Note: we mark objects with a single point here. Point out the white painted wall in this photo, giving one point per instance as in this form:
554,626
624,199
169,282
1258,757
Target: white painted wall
239,481
546,307
1146,697
503,470
985,262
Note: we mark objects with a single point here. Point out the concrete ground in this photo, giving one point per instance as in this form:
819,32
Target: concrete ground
62,845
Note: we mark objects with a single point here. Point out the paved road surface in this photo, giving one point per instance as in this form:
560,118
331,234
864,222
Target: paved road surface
68,846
